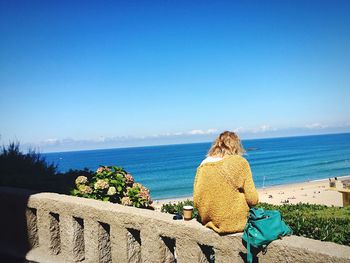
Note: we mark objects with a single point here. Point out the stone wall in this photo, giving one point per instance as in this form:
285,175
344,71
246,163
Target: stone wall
48,227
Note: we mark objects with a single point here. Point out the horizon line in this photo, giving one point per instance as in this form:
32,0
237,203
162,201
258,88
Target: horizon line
171,144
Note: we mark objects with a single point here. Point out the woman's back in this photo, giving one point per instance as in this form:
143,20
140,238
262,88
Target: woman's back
223,192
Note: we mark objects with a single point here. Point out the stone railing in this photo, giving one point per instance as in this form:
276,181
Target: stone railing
48,227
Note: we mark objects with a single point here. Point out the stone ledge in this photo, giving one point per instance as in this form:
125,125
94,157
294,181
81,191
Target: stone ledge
189,238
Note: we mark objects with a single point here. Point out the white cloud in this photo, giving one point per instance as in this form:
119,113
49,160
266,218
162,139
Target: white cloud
195,135
211,131
167,134
51,141
202,132
106,140
101,139
316,126
264,128
239,130
196,132
179,134
261,129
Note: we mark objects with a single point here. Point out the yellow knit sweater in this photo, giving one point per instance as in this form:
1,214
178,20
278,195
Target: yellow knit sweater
223,192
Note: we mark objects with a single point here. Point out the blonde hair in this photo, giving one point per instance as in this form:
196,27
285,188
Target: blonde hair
227,143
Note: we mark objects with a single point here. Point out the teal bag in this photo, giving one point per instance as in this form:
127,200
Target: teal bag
263,227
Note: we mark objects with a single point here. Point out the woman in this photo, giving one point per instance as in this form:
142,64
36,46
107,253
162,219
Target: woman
224,188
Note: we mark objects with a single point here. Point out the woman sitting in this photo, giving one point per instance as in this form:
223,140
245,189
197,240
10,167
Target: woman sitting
223,187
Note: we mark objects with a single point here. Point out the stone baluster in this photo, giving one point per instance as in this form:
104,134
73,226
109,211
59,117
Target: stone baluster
187,250
72,238
119,244
32,227
43,221
151,245
91,240
67,236
228,255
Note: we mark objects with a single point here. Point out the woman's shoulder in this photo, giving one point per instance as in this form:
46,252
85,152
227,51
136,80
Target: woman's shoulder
227,160
237,158
237,162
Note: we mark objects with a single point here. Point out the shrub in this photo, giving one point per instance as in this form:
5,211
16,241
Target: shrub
14,162
31,171
114,184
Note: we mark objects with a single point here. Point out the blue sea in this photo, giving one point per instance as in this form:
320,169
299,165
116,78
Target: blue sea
168,171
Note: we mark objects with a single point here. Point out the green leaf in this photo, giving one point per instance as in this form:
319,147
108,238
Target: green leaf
113,181
75,192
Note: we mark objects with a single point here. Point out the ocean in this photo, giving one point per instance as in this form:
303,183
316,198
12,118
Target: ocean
169,170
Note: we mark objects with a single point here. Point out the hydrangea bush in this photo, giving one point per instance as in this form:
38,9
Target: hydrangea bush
113,184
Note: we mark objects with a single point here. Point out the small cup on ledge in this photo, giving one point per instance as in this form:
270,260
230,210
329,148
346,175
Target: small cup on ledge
188,209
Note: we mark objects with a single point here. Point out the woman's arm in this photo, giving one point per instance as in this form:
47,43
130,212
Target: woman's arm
251,195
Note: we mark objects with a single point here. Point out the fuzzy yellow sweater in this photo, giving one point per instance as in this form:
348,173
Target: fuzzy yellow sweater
223,192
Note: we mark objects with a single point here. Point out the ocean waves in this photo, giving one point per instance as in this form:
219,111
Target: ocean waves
168,171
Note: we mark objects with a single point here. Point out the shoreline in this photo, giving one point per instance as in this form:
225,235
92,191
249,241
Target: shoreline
312,192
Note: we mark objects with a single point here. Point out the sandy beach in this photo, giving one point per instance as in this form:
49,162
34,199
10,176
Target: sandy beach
313,192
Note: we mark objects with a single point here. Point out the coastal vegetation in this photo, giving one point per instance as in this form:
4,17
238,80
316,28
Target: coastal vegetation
313,221
31,171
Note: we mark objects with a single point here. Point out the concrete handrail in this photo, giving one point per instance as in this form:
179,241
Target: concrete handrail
49,227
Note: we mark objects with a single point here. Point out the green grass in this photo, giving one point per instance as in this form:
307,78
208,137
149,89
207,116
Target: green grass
311,210
316,221
312,221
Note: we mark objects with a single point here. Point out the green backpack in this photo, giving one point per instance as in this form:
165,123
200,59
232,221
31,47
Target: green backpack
263,227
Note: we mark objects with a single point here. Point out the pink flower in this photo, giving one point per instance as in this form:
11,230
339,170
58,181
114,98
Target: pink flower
129,179
103,168
144,194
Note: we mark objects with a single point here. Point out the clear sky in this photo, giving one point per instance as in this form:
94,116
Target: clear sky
98,74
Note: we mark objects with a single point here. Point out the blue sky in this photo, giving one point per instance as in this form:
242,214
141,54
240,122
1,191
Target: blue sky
99,74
